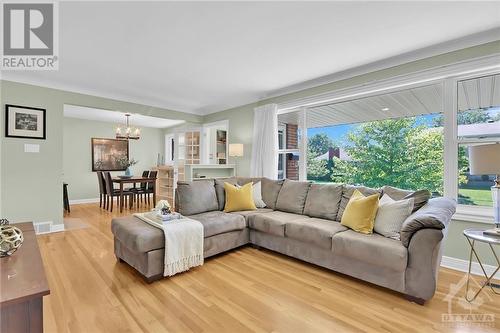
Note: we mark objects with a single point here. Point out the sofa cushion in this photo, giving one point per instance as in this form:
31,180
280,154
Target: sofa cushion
347,191
247,213
273,222
373,248
270,191
221,192
217,222
136,235
420,197
323,201
315,231
292,196
196,197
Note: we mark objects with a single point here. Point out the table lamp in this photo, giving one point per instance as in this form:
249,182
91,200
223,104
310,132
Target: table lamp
484,159
236,150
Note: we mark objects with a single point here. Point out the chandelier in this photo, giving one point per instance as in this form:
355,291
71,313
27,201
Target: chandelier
128,132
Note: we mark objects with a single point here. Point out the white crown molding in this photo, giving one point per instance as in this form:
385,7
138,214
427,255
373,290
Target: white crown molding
476,66
13,76
463,266
427,52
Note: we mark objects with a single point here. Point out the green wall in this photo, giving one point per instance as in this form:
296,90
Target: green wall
77,157
456,245
31,184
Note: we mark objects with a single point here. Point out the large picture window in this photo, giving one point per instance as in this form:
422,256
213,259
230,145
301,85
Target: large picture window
478,122
391,139
405,138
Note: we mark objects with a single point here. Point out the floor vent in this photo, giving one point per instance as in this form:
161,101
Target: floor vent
42,227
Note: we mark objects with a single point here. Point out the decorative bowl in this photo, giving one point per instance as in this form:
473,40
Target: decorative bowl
124,177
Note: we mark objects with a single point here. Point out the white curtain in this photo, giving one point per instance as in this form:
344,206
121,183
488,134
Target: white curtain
265,142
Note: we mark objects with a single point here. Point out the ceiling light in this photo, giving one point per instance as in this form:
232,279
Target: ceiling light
385,109
128,132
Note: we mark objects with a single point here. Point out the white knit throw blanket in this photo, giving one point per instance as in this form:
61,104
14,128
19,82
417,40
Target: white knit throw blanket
183,242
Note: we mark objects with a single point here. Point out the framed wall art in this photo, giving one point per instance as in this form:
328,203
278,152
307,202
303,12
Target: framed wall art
25,122
108,153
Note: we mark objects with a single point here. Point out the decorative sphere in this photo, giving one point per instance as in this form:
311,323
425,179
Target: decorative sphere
11,239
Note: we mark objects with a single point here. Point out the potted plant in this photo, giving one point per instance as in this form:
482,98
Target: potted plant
124,162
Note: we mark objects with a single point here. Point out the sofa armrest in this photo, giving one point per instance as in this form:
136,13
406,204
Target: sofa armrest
424,259
436,214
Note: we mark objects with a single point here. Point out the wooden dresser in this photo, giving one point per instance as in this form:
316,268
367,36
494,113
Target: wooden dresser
22,286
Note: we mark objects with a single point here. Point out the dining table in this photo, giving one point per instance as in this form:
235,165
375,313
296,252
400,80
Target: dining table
134,180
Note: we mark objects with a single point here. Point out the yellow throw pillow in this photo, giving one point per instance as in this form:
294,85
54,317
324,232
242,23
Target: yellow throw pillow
360,212
239,198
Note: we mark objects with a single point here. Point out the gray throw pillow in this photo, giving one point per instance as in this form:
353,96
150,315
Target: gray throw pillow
219,190
196,197
390,216
420,197
323,201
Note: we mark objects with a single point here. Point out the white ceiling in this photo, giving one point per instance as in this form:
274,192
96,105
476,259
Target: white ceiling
404,103
472,94
202,57
139,120
478,93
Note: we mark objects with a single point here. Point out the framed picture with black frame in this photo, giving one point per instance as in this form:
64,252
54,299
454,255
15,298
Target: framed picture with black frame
25,122
107,154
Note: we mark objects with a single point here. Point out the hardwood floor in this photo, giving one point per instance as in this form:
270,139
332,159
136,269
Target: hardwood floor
242,291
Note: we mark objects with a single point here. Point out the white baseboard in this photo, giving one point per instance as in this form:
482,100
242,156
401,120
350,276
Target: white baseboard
47,227
83,201
463,266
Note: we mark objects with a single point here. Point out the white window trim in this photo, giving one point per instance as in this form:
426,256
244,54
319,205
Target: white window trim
448,76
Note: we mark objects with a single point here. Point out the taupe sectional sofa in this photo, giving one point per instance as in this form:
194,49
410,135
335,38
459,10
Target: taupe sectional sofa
301,220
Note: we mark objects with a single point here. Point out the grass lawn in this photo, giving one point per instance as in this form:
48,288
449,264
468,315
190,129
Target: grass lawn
475,197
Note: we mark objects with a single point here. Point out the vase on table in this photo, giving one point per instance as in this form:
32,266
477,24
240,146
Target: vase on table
128,173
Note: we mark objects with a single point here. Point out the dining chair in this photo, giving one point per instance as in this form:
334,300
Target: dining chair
102,189
141,190
150,185
111,192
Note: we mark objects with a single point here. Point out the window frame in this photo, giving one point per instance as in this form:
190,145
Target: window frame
282,128
301,141
449,76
